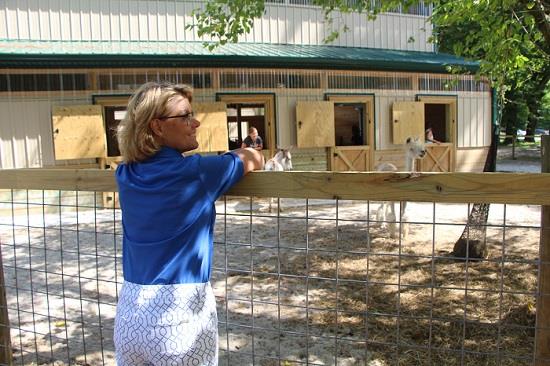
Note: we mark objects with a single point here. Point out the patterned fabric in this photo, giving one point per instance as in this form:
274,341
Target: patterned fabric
166,325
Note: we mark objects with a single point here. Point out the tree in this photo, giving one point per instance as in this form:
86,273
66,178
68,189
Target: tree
510,38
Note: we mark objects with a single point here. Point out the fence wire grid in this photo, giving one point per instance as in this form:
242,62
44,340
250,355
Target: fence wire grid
310,282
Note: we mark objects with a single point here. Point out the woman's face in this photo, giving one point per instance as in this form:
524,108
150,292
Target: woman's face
179,133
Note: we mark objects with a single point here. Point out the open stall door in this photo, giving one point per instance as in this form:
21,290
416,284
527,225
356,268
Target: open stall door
440,115
212,134
315,124
78,132
354,133
407,121
265,101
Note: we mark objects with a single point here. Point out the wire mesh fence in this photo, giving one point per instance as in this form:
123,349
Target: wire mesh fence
310,282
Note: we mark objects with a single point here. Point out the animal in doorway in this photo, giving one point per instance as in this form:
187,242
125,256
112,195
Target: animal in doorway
414,149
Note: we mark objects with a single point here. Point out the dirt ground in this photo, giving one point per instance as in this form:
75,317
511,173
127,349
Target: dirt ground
322,283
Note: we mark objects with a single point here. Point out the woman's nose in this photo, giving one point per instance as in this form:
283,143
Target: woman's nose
196,123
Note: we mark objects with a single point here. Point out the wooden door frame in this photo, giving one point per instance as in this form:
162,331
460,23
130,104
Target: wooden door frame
269,100
368,99
452,101
110,100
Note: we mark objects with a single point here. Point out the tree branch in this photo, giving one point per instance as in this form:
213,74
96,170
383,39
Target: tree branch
539,12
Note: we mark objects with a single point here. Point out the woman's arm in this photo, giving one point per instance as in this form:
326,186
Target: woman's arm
252,159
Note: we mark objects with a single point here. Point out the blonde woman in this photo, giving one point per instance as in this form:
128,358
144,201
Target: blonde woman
166,314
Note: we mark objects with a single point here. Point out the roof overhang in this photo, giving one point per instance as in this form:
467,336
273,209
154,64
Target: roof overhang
71,54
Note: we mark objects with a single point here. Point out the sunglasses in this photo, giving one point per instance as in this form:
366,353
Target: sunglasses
187,117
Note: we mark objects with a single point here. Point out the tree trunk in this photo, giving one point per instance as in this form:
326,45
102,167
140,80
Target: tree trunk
472,244
510,116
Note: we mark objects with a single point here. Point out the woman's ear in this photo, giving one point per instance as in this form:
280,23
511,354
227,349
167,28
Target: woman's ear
155,126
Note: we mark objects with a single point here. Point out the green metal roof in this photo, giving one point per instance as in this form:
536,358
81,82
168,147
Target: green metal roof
190,54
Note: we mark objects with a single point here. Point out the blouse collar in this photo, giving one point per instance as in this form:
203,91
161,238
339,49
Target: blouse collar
167,152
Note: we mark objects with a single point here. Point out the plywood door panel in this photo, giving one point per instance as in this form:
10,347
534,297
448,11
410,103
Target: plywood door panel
212,134
350,158
439,158
407,121
78,132
315,124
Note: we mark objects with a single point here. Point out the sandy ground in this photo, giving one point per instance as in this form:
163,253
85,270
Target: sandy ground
322,283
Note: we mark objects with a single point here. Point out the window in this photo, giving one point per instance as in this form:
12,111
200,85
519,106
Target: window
270,81
133,81
43,82
369,82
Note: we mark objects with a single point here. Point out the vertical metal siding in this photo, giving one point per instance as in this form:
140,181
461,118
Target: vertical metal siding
165,20
25,131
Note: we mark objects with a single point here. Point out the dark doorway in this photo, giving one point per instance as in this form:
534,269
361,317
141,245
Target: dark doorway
348,124
113,116
436,118
242,116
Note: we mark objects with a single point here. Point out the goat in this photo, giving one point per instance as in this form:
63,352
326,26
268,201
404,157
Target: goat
414,149
282,161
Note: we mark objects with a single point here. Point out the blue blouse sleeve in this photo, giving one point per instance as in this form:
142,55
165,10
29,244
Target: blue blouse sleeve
219,173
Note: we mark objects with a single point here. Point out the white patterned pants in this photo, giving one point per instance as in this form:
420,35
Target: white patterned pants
166,325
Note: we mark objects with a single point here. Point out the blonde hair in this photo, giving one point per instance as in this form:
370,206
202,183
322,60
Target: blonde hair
135,137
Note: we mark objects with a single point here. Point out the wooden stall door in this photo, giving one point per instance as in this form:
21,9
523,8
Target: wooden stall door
354,152
351,158
439,158
212,134
315,124
78,132
407,121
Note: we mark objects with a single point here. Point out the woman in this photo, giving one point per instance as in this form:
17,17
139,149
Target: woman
166,314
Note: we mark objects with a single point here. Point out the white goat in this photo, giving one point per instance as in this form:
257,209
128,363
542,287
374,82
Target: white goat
280,162
414,149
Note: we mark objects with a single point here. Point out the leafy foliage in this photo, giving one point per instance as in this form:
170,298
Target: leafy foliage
225,20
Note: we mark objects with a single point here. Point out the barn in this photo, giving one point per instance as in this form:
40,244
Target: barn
67,69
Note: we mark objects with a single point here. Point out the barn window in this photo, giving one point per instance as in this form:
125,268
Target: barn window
369,82
43,82
447,84
121,81
270,81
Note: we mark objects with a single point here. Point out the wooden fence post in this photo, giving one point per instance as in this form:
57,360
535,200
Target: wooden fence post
542,353
5,339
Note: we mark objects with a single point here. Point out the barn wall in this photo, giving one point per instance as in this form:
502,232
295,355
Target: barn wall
25,121
471,159
166,20
26,133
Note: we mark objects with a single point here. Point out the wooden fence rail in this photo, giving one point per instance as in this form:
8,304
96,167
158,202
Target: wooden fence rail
517,188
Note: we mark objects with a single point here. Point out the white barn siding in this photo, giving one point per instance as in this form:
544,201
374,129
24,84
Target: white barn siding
25,131
163,20
474,114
